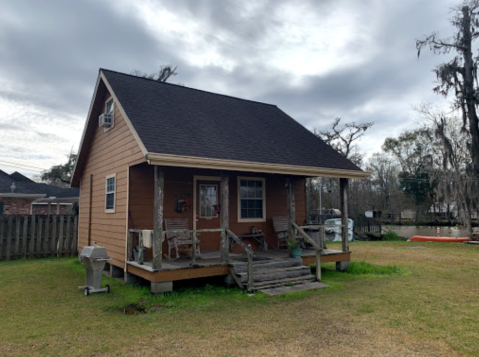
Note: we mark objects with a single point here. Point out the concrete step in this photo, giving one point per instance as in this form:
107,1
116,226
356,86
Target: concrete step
275,274
241,267
284,282
290,289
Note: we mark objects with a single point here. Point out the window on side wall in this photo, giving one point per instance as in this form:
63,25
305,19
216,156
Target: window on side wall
251,199
110,193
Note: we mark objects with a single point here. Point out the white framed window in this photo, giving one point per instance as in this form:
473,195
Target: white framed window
110,193
110,109
208,201
251,199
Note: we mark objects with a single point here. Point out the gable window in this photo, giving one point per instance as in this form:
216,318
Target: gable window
110,110
109,106
208,201
251,199
110,193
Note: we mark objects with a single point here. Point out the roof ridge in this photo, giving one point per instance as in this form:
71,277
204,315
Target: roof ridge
189,88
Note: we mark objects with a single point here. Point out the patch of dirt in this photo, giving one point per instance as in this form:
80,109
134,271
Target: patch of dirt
137,309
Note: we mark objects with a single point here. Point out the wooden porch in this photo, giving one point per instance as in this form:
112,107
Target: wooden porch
221,261
211,264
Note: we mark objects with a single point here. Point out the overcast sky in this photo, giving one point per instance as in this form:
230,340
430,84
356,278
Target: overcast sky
316,60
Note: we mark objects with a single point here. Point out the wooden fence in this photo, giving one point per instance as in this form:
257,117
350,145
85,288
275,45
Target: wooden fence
364,225
27,237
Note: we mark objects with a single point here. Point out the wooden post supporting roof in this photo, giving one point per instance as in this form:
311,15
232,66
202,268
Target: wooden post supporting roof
224,215
291,208
158,216
343,187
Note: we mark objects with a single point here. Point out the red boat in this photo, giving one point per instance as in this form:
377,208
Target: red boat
439,239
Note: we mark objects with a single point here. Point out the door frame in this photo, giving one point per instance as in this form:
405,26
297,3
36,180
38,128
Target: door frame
195,192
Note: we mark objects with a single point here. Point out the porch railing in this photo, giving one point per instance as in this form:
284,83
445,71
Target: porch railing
317,247
194,240
250,255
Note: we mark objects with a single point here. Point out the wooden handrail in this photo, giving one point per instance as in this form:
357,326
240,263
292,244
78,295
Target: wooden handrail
250,255
316,246
317,226
192,230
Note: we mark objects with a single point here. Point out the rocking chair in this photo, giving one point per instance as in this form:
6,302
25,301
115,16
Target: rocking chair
178,239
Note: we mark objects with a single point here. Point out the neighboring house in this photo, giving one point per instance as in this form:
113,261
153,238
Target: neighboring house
443,210
408,213
21,196
149,148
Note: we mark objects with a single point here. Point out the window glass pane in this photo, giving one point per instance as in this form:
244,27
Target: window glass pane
110,197
208,199
259,192
243,192
251,195
109,107
110,184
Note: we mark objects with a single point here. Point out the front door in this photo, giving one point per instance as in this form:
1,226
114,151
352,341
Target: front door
207,211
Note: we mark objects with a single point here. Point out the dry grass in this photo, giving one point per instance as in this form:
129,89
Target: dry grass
431,311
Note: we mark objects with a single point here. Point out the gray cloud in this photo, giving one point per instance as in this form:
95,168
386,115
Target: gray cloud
51,51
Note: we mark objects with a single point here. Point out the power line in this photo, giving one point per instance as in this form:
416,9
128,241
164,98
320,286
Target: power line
25,165
17,166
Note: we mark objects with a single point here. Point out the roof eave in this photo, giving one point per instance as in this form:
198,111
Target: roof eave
236,165
22,195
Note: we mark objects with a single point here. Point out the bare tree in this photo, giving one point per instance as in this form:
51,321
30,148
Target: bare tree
454,184
384,180
342,138
164,73
460,74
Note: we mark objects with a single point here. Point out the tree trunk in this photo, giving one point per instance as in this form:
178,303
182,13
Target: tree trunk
469,90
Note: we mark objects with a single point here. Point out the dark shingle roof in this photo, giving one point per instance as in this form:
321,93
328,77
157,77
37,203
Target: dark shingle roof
23,185
173,119
6,183
18,177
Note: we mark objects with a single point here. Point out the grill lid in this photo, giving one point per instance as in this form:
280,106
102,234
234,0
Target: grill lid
94,252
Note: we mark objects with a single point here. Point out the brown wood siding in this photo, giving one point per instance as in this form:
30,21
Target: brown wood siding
110,152
179,185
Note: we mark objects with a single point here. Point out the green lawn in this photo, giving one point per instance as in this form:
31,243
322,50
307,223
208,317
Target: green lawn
404,302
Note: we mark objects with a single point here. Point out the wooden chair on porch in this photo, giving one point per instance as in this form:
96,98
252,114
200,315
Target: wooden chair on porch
280,224
178,239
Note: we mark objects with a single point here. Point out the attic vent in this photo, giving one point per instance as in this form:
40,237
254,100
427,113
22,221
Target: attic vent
105,120
13,187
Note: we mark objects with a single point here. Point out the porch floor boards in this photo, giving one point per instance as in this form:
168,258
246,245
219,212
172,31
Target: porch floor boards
212,259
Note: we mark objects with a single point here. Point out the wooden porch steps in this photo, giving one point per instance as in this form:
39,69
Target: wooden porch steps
292,289
275,277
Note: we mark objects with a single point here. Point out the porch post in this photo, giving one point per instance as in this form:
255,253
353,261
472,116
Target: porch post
343,187
224,216
291,207
158,216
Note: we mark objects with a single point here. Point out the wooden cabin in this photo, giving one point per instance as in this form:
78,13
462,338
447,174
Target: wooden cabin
154,151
